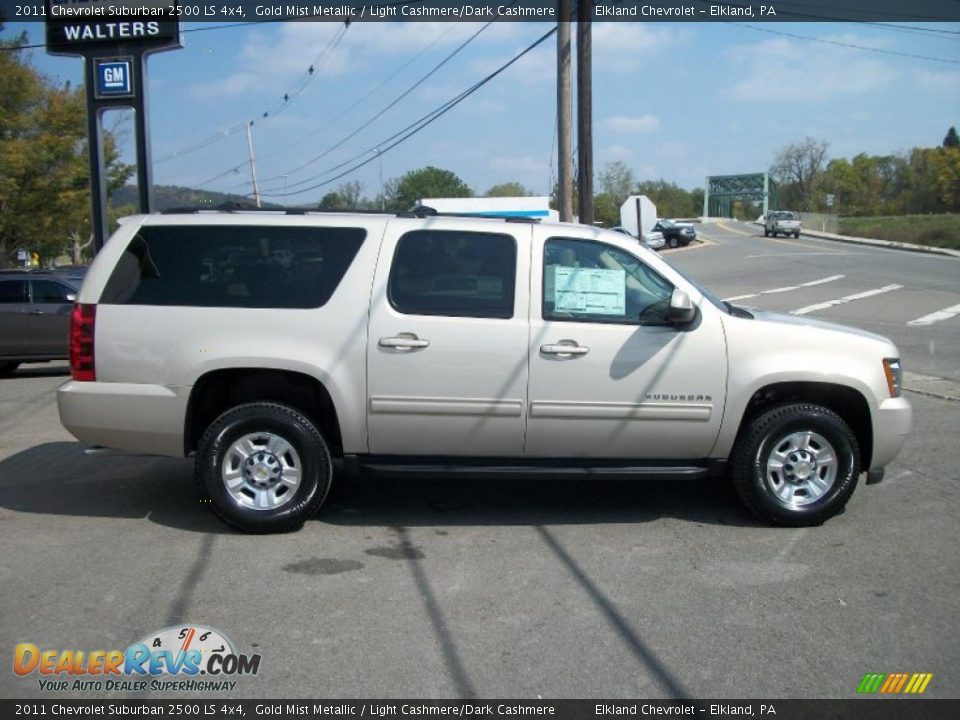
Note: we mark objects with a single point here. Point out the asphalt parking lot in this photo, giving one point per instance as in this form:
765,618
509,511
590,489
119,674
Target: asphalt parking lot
520,588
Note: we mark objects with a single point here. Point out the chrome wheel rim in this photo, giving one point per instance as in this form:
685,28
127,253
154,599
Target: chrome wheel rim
800,469
261,471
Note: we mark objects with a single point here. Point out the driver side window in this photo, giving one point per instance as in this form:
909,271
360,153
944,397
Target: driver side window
587,281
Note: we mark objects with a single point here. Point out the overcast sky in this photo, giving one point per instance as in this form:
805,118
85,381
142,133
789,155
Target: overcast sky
678,101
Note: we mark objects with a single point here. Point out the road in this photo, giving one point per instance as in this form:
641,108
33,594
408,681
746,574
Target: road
899,291
507,588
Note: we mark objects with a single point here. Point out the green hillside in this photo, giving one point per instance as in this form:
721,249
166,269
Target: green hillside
174,196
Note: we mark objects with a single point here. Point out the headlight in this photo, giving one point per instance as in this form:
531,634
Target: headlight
891,369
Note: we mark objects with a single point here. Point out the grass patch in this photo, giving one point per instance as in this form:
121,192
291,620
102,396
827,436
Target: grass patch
935,230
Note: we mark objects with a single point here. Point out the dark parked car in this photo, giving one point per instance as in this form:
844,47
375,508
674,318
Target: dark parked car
675,235
34,318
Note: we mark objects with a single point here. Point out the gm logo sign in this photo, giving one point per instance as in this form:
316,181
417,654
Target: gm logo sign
114,77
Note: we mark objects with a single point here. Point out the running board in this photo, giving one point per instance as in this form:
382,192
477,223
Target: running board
495,466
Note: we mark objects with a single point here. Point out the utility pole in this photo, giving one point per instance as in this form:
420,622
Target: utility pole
253,164
383,198
584,112
564,115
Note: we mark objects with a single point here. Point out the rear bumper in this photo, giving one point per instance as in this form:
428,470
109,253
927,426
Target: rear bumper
892,421
136,417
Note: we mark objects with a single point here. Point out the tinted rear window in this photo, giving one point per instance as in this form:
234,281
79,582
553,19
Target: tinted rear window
233,266
13,291
456,274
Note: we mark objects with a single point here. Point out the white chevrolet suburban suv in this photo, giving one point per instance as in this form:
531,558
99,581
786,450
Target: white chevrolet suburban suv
422,342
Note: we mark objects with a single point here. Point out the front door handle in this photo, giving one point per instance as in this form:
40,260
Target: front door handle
567,347
404,341
35,312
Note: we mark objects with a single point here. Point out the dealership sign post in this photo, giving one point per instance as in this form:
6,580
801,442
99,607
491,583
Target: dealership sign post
114,37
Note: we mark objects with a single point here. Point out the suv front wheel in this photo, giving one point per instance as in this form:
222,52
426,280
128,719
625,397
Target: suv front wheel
796,464
264,467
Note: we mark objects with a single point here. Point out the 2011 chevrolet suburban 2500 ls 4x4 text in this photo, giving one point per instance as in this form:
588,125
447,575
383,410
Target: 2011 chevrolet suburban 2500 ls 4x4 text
421,341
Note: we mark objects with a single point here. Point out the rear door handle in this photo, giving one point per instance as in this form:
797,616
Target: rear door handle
563,348
36,312
403,341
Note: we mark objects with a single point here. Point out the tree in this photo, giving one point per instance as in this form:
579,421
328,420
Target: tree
798,168
671,199
947,167
696,202
345,197
617,181
425,182
951,140
606,209
508,189
44,172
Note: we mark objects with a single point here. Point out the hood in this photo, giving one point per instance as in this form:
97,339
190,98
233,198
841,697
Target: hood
805,321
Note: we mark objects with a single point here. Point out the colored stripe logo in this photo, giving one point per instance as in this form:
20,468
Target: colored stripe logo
894,683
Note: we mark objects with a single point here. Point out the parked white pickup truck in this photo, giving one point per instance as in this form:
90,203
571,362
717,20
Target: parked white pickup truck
269,344
782,222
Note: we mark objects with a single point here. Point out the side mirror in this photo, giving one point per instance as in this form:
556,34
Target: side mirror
682,310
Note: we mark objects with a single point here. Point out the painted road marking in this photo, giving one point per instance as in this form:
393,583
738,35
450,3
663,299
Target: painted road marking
734,230
930,319
845,299
789,288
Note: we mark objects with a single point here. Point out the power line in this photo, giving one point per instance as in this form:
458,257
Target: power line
288,98
427,119
840,43
383,110
367,94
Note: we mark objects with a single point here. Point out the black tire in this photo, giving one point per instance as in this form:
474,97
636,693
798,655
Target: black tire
766,233
8,368
796,236
316,474
759,439
673,242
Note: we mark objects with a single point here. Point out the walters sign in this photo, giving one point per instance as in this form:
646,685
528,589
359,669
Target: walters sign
76,27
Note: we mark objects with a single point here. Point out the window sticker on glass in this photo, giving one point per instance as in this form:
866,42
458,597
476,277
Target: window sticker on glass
590,290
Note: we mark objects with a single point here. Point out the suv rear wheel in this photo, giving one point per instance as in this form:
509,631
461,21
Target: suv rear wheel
264,467
796,464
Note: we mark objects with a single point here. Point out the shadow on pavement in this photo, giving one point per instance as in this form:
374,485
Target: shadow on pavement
38,370
59,479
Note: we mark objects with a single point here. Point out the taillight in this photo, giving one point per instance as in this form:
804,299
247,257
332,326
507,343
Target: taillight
82,320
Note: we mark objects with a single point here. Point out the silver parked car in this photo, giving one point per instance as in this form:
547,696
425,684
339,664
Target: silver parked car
653,239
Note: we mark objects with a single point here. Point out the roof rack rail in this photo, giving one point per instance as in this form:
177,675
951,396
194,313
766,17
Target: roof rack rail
228,206
233,206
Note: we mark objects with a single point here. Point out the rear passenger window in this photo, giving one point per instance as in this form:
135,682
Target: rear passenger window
455,274
48,291
233,266
13,291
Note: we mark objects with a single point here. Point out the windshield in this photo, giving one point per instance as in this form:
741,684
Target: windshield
667,223
720,304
